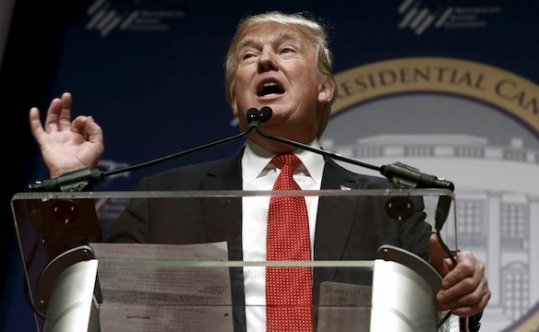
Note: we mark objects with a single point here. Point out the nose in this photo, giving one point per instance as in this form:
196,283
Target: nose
267,60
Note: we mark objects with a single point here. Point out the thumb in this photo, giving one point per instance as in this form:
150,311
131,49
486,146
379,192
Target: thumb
437,255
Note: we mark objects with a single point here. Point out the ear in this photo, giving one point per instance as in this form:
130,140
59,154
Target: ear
326,89
234,106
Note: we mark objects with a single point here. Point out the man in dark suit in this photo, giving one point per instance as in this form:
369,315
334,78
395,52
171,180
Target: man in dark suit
347,227
281,61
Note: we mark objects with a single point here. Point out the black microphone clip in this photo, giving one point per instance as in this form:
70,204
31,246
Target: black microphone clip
74,181
405,176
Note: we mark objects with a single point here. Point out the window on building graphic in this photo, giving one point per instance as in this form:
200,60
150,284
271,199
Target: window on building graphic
515,283
470,225
516,155
470,151
514,225
419,151
369,151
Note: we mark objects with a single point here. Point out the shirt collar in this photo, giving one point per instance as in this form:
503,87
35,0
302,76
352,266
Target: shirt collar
258,161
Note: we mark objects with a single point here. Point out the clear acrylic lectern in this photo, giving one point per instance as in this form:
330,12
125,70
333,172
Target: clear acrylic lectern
364,278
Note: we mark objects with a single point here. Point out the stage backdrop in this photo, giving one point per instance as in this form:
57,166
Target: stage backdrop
449,87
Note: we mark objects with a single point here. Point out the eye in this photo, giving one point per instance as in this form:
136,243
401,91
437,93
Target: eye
248,54
287,50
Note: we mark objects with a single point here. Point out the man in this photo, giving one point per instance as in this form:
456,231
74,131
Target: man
281,61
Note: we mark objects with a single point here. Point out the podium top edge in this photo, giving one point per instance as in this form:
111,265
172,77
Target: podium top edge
231,193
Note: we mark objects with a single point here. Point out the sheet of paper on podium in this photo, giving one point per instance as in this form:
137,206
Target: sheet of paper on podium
344,307
141,292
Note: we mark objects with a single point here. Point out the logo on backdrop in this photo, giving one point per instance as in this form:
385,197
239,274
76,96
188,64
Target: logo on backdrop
471,123
106,16
419,17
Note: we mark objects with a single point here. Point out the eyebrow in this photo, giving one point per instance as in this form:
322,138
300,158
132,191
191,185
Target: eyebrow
283,36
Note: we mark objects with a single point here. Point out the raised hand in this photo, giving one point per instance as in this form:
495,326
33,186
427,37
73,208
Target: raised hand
66,145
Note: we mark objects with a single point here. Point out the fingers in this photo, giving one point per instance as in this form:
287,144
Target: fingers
473,303
59,113
466,270
95,133
58,116
35,123
87,128
58,119
64,120
465,288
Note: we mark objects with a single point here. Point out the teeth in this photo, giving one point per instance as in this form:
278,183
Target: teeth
270,88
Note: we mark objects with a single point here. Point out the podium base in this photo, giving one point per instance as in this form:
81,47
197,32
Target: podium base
404,293
72,305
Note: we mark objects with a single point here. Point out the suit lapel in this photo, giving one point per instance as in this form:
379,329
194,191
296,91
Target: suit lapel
222,215
223,221
335,214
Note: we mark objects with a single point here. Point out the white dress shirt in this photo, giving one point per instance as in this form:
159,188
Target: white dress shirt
259,174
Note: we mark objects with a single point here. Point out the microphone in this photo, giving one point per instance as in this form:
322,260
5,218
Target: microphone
265,114
253,116
84,178
256,117
401,175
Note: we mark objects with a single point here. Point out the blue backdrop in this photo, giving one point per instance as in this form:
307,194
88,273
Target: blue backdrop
151,73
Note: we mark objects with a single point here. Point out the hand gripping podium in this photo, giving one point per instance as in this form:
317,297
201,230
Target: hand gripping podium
83,274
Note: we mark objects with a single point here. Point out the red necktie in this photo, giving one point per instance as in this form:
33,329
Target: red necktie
288,289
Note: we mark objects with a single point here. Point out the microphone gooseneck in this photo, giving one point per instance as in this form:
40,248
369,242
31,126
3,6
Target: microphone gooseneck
85,178
265,114
401,175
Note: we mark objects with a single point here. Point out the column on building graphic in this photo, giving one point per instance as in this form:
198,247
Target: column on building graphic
534,248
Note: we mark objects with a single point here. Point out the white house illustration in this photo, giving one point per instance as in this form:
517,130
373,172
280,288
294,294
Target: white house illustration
497,206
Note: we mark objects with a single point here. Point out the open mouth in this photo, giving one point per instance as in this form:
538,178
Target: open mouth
270,88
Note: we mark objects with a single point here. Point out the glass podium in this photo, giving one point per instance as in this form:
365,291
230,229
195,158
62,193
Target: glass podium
84,273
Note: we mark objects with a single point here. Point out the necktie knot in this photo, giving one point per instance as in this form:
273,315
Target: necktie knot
287,163
286,160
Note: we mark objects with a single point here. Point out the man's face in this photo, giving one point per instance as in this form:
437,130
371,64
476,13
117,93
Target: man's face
276,68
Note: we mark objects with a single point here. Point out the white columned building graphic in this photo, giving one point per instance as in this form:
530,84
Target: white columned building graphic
497,206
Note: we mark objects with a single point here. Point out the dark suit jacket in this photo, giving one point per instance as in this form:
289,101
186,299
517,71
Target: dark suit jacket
347,228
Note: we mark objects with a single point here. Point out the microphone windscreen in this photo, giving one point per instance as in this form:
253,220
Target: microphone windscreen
252,115
265,113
